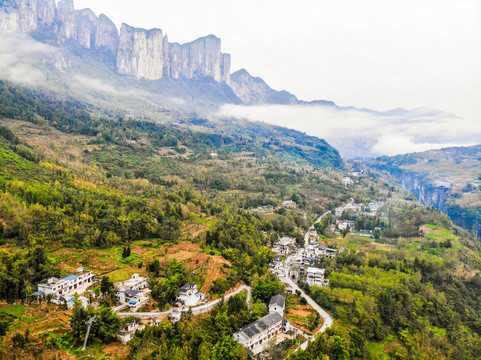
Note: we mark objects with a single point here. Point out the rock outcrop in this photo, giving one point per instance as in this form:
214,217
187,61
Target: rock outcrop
254,91
107,35
143,54
86,25
65,20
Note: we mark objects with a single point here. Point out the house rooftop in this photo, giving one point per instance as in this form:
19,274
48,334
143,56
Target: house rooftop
133,292
278,300
187,286
260,325
313,270
69,277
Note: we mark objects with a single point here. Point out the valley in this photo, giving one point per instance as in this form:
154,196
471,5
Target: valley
151,209
194,221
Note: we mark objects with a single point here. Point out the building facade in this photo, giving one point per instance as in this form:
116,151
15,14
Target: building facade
133,291
278,305
316,276
66,285
258,333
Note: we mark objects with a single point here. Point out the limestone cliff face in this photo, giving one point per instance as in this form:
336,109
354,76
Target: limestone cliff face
202,58
26,15
143,54
150,58
65,22
107,35
225,68
175,60
46,12
86,25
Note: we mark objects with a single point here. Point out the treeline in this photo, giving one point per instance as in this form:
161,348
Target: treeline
21,271
71,116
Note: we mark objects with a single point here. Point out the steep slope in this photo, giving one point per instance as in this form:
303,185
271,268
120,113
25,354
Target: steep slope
254,91
448,179
140,53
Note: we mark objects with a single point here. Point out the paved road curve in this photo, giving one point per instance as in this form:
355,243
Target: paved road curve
195,310
328,321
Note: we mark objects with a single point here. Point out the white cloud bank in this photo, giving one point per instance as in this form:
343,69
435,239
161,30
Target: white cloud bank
18,53
357,133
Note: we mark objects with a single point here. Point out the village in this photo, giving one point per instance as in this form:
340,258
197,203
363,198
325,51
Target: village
295,264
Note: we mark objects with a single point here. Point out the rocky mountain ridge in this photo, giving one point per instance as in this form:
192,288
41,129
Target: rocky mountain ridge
143,54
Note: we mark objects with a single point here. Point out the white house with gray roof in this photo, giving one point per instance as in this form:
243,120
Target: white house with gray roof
260,332
277,305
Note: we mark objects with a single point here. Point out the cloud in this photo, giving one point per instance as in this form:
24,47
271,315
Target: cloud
357,133
18,52
391,144
104,87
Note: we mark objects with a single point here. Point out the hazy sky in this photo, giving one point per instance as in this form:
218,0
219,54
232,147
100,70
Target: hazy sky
380,54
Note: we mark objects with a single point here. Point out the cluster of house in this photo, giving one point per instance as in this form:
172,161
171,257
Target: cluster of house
371,209
285,246
267,209
289,204
134,292
264,210
64,288
345,224
313,276
256,335
187,295
314,251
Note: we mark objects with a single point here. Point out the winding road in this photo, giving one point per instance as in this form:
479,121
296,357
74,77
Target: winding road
196,310
328,320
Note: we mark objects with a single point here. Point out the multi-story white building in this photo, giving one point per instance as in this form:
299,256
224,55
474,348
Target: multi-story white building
66,285
315,276
133,291
258,333
286,246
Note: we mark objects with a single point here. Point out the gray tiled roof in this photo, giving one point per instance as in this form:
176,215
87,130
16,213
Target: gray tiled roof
260,325
186,287
278,300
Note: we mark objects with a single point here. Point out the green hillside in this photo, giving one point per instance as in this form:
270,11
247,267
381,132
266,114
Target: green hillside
175,201
448,179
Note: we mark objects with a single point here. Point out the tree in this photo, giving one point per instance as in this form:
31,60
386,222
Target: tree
154,268
104,329
228,349
106,286
3,328
126,252
19,340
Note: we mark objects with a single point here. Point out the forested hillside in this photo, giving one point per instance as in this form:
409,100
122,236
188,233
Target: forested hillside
202,201
73,185
448,179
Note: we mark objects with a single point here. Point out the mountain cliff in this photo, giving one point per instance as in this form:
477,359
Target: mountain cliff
448,179
140,53
254,91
